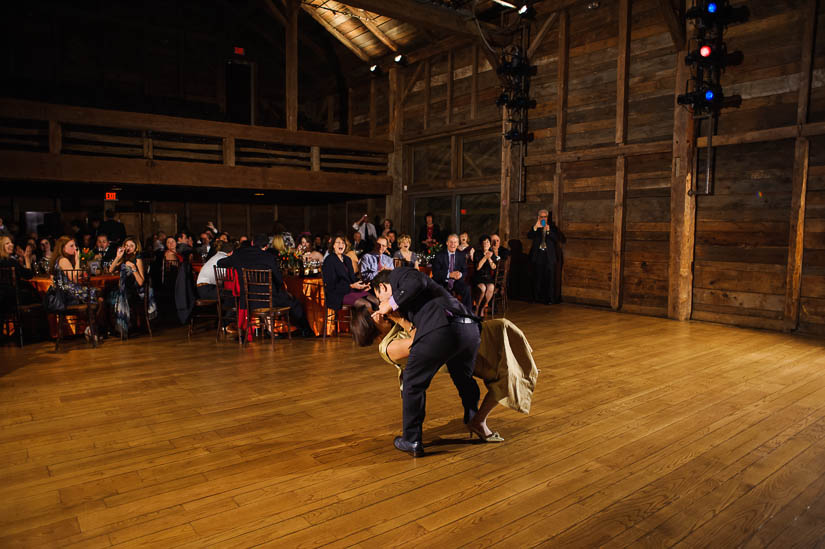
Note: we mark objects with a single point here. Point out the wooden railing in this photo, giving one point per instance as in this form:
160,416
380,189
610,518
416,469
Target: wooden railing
70,132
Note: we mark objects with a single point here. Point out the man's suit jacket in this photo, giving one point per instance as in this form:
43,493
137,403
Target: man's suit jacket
551,240
423,302
441,266
250,257
109,255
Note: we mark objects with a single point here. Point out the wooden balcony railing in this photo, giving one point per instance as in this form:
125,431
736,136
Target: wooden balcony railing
54,142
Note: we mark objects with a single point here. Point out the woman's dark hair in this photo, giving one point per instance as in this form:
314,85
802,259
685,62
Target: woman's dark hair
363,328
482,239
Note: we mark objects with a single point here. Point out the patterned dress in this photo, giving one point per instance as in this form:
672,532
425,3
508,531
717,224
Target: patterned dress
74,293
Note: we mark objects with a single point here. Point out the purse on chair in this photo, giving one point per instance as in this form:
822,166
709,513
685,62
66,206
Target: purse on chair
55,300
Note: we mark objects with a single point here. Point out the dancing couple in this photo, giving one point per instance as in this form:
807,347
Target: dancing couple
423,327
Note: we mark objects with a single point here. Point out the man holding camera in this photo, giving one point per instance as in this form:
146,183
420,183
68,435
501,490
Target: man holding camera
544,257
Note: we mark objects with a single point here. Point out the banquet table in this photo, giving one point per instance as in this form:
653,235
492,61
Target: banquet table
310,292
74,324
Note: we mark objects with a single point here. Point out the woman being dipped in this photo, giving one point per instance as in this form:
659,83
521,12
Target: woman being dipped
504,361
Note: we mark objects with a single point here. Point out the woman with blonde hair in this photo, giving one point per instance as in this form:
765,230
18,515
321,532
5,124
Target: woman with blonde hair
408,257
22,265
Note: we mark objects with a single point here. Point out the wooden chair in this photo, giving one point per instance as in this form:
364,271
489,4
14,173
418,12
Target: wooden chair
14,317
143,304
397,262
220,278
341,316
80,277
258,289
501,280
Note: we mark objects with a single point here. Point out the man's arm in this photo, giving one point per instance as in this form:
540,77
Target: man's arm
369,267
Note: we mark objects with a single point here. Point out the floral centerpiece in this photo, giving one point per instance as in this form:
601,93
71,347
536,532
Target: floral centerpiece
429,255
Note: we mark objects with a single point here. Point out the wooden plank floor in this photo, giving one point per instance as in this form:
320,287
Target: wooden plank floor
644,432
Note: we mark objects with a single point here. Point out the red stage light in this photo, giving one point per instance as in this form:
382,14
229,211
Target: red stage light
705,51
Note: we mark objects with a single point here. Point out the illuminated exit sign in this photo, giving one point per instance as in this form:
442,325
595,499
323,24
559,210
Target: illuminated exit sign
111,196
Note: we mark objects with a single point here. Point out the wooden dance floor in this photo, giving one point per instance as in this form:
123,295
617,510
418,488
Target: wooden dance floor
644,432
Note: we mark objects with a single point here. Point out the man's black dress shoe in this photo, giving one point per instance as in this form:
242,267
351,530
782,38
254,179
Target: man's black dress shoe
413,448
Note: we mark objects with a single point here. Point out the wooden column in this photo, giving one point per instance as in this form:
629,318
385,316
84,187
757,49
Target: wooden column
148,146
229,151
682,206
450,61
427,77
395,160
55,137
474,84
561,114
349,111
506,177
619,200
373,86
315,159
291,71
618,233
796,240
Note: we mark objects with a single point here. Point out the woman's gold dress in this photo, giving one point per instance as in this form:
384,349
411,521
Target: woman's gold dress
504,362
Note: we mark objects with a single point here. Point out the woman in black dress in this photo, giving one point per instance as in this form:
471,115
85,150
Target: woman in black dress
485,273
341,286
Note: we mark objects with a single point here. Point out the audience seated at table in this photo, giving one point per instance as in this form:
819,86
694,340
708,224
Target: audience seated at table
104,251
256,257
376,261
44,253
392,242
341,286
359,245
484,276
450,270
206,284
408,257
131,287
498,250
20,262
65,257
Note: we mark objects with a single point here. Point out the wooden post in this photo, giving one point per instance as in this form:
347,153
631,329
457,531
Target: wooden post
561,114
427,77
291,70
474,84
506,177
618,233
55,137
148,146
682,206
796,240
622,72
395,160
349,111
454,160
274,212
373,86
229,151
450,62
315,159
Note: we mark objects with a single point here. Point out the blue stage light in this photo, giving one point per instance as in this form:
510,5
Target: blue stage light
712,7
709,95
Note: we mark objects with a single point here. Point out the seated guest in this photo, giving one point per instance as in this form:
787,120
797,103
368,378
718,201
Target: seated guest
450,270
64,258
278,246
386,227
171,253
255,256
104,251
430,233
129,265
485,273
44,254
304,245
464,246
392,241
204,244
185,245
207,288
22,263
498,250
376,261
408,257
159,241
359,245
224,236
341,286
350,253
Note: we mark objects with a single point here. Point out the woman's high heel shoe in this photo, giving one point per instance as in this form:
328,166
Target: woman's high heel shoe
492,437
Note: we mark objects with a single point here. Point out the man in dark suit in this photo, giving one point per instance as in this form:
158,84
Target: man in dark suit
255,257
115,230
446,333
544,257
104,251
450,270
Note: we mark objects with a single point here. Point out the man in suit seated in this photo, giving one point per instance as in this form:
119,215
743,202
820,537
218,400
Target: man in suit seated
446,333
256,257
450,270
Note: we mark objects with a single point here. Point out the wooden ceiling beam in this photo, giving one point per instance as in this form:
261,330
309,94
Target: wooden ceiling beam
545,28
420,14
376,30
674,18
276,13
313,12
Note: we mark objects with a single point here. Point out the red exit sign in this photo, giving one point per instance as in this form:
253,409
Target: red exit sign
111,196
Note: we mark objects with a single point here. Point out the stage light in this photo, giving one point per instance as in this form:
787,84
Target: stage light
709,95
705,51
374,68
712,7
400,59
526,12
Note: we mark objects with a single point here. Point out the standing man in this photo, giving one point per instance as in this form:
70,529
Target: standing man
543,255
450,270
366,229
446,333
113,228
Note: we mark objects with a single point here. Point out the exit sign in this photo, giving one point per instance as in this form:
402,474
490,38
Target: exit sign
111,196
